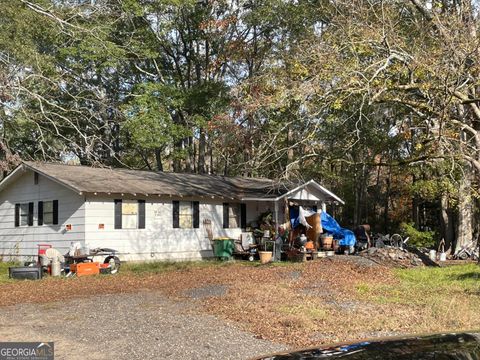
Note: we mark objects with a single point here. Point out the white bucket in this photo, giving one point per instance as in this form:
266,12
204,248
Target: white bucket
433,255
442,256
56,269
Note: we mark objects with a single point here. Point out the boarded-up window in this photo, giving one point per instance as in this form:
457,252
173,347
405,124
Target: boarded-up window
129,214
185,215
234,216
231,216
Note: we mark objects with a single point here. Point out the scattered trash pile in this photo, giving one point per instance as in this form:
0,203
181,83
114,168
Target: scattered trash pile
78,261
393,256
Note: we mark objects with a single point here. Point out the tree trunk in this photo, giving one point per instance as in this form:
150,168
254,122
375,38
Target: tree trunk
158,159
201,152
446,218
386,221
465,210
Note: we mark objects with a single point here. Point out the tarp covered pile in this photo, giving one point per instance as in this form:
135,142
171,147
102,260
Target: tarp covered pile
345,237
330,225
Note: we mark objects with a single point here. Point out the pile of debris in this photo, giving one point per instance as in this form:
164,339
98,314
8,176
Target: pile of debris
392,256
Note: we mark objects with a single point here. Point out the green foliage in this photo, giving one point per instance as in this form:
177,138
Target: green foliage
149,123
166,266
4,271
432,189
418,238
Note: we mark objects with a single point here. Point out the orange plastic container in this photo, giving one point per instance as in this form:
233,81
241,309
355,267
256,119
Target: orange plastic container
85,269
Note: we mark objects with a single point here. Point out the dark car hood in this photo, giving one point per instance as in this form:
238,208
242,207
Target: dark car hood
459,346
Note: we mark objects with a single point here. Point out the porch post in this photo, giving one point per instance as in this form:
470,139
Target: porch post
324,207
277,226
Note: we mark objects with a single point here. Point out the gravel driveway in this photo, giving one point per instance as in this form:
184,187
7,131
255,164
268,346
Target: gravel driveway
145,325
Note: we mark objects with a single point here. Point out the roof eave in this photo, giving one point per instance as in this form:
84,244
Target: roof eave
5,181
33,168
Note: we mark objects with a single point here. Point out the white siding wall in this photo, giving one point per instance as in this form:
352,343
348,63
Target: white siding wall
159,240
254,209
20,243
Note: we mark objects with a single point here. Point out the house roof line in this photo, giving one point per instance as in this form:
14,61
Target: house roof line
58,181
310,182
88,180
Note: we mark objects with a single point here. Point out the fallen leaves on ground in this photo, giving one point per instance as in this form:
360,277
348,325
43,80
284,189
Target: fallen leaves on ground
300,304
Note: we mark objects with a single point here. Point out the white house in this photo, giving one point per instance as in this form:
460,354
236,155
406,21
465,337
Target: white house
144,215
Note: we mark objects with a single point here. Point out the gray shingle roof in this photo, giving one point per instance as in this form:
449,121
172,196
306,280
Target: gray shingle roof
106,180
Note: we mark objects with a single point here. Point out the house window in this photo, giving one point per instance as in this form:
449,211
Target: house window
234,216
186,214
24,214
48,212
129,214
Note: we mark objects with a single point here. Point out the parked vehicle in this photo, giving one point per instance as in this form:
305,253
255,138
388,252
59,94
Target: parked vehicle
455,346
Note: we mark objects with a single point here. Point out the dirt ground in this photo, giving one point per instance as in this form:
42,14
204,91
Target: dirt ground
270,307
143,325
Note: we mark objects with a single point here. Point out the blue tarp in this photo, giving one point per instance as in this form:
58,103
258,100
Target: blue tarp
329,224
294,219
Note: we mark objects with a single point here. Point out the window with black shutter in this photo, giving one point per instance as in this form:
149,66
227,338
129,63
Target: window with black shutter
196,214
176,214
30,214
40,213
17,215
231,216
129,214
24,214
47,212
118,214
225,216
141,214
55,212
186,214
243,216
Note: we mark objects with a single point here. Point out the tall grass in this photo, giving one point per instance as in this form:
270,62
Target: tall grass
4,271
156,267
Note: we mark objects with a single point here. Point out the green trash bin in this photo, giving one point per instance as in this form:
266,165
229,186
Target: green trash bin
223,248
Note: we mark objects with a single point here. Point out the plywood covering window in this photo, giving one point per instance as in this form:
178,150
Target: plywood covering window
186,214
129,214
234,216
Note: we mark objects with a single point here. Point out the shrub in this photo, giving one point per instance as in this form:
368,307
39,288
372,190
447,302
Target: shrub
418,238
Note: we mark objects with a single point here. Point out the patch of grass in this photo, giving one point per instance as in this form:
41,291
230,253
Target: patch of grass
165,266
451,278
449,295
363,289
4,271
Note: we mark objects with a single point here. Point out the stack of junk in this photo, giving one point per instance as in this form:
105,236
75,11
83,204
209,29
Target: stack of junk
315,235
78,261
